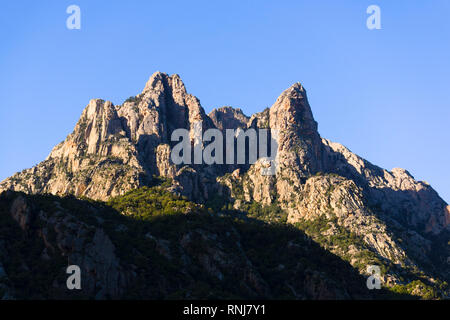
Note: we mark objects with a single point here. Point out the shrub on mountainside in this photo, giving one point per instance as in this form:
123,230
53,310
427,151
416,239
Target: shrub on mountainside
148,202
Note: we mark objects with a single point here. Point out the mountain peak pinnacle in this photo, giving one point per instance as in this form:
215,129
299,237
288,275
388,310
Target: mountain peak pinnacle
298,86
159,79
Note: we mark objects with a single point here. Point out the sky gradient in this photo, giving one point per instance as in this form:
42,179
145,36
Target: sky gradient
385,94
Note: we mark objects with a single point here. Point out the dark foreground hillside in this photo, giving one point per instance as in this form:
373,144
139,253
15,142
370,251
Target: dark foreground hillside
162,247
321,197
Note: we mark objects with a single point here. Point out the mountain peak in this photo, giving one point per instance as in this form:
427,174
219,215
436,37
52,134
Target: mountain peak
293,110
295,91
297,86
160,80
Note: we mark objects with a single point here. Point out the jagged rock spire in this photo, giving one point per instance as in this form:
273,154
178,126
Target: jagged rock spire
159,79
299,141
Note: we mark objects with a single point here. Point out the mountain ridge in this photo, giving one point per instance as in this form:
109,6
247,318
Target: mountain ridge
117,148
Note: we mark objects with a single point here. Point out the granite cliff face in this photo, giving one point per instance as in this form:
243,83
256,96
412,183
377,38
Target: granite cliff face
360,212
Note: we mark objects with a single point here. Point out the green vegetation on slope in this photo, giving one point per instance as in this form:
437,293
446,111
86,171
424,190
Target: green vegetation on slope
177,249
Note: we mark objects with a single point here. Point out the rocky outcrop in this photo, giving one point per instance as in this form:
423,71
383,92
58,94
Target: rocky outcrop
228,118
394,192
299,143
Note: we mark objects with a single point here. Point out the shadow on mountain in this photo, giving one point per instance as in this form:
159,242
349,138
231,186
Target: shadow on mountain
146,145
162,252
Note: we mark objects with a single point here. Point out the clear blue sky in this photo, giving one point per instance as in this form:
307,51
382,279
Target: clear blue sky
385,94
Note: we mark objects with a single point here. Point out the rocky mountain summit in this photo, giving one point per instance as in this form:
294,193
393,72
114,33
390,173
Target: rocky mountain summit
363,214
